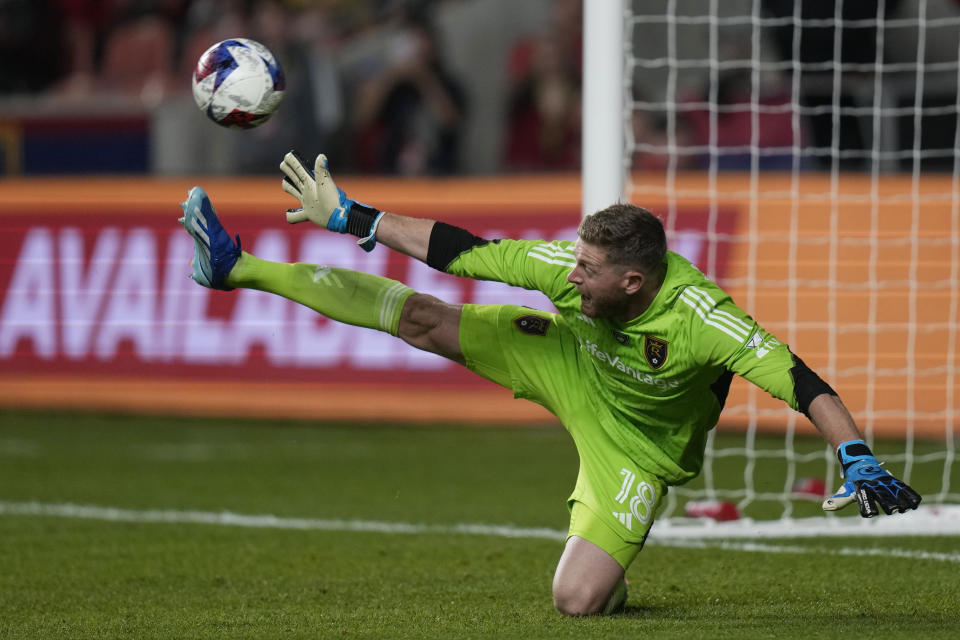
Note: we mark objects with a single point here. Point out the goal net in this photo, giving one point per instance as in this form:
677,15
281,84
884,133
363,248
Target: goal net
805,156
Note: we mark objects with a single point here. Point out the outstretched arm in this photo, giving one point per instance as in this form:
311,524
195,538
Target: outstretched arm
768,363
833,420
410,236
535,265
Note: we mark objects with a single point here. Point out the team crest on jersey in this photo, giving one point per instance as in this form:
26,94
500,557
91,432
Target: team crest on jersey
655,351
532,325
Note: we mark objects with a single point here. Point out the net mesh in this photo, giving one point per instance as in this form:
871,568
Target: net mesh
804,155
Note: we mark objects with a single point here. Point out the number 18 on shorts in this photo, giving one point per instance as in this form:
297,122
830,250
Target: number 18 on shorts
638,501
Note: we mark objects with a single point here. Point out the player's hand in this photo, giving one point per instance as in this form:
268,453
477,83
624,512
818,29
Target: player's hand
321,201
869,484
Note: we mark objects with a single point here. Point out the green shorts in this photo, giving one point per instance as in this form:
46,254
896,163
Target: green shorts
535,354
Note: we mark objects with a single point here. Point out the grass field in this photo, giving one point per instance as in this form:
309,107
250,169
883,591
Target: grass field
336,561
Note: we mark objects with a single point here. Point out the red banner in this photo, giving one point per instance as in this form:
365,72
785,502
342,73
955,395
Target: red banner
107,296
110,295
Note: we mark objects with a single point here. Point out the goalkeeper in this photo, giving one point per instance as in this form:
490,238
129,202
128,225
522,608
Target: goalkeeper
636,362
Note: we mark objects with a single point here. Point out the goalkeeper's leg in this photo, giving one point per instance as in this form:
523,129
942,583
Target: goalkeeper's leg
351,297
358,299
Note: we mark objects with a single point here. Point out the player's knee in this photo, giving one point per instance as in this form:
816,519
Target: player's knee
431,324
419,314
577,600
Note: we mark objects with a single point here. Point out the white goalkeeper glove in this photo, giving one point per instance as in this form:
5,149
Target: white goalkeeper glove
324,203
321,201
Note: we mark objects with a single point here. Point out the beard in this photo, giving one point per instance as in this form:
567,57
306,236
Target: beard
594,306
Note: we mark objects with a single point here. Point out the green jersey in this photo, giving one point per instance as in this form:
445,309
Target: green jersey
661,378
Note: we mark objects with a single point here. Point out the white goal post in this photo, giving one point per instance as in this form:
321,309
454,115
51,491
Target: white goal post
603,169
807,157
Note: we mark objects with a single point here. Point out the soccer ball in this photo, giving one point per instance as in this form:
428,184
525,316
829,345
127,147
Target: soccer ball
238,83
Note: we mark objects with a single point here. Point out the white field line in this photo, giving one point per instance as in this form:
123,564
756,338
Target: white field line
223,518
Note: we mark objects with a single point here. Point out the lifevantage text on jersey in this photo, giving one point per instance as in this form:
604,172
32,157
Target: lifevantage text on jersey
617,363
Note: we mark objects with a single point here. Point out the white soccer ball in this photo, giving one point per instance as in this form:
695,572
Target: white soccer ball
238,83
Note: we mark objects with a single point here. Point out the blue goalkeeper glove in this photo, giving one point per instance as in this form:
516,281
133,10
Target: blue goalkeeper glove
869,484
324,203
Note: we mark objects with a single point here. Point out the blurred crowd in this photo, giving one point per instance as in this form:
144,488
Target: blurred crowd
441,87
367,80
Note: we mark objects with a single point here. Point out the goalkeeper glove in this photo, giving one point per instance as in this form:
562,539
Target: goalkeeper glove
869,484
325,204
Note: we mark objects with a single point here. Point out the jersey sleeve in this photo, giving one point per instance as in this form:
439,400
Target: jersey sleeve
724,335
531,264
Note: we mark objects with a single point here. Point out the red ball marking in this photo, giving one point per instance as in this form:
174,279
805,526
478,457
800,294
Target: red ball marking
242,119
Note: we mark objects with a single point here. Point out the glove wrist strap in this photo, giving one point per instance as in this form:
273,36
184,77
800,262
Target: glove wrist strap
369,242
360,219
852,451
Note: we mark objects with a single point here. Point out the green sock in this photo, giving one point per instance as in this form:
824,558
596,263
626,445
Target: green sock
351,297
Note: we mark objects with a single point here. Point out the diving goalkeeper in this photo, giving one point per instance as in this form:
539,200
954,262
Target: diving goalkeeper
636,362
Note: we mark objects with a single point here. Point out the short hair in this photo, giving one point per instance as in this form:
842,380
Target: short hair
630,235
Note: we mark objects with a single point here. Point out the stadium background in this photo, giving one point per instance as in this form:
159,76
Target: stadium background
269,473
93,298
96,300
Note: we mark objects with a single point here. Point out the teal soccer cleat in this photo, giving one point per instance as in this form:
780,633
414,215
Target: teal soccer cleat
214,252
